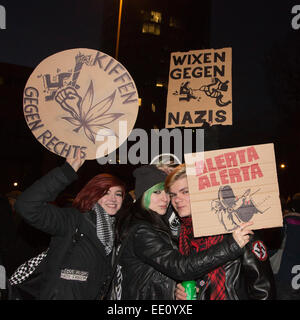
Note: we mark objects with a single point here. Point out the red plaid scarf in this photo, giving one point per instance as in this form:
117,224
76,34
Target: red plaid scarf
188,243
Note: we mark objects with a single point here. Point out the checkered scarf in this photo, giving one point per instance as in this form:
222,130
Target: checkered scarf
105,228
26,269
188,243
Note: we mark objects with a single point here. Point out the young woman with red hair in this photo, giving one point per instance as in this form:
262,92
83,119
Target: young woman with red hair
78,264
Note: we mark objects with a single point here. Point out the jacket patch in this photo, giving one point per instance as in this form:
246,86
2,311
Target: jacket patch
69,274
260,250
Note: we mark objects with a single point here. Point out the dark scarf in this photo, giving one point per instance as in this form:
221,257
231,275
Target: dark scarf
188,244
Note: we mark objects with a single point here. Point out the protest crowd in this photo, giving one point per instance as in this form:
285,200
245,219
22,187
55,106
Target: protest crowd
149,151
110,244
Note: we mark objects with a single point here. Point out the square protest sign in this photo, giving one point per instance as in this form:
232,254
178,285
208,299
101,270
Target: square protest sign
200,88
230,186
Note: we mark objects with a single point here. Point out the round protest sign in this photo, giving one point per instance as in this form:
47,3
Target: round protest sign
76,98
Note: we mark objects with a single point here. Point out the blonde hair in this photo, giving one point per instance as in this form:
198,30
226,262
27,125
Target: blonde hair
178,173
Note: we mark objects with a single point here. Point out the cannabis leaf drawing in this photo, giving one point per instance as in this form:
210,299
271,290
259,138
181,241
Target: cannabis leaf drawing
85,115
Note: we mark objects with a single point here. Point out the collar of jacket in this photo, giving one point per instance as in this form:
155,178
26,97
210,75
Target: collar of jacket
90,217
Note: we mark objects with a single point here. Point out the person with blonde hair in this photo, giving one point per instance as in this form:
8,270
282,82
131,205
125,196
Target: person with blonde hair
248,276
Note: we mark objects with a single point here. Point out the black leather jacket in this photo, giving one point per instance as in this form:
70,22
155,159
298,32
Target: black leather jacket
248,277
151,263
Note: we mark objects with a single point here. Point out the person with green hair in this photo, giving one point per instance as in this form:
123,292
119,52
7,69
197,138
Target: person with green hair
149,263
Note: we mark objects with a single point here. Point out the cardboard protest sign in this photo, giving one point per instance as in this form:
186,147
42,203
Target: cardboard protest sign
200,88
230,186
76,98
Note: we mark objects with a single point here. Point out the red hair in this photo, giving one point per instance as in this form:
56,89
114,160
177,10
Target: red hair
95,189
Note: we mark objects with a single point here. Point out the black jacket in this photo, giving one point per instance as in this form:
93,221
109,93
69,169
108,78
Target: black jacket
291,253
248,277
76,265
151,263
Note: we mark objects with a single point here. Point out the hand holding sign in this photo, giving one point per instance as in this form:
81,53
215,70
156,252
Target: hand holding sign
241,234
76,162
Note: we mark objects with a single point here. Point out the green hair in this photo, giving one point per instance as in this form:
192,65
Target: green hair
148,193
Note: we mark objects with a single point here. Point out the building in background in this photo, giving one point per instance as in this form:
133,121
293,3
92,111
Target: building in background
149,32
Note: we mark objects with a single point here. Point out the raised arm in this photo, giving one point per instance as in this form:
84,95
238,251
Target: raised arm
34,203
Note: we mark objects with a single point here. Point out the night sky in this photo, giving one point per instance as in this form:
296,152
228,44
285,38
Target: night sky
251,29
37,29
266,82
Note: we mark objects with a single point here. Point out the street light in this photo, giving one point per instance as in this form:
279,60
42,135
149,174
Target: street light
119,27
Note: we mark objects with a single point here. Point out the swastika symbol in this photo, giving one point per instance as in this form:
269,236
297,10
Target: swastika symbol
260,250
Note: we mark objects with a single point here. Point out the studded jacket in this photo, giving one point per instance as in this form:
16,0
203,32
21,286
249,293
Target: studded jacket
151,263
248,277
